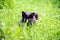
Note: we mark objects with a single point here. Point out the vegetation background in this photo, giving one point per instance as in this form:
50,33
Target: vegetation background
46,28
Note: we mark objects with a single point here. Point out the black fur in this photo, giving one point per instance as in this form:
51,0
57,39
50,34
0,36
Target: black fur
31,17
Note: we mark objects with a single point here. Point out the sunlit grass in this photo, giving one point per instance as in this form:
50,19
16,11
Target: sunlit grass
45,28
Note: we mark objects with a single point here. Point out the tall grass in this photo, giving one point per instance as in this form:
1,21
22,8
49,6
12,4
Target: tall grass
47,27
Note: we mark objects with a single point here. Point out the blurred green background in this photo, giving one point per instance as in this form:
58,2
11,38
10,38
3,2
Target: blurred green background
47,27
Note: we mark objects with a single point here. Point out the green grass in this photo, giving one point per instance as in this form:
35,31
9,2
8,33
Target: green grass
47,27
